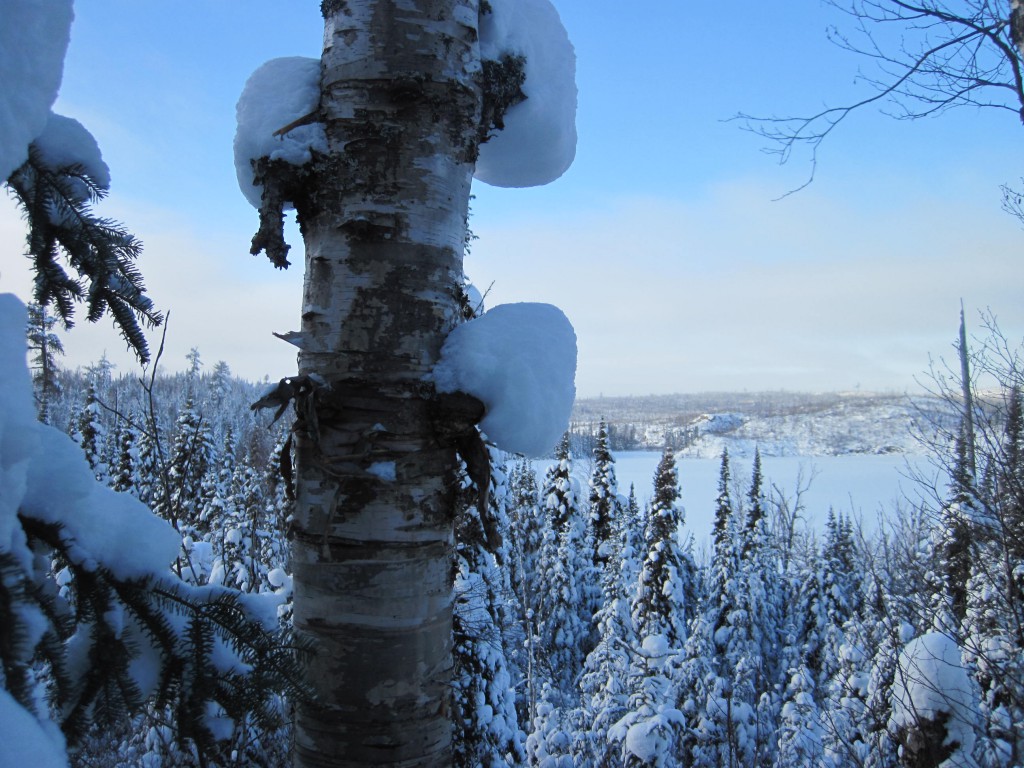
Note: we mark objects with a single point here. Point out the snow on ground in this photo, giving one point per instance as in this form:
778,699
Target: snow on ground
538,143
33,39
520,361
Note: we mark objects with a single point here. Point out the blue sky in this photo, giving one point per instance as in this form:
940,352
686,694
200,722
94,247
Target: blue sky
663,243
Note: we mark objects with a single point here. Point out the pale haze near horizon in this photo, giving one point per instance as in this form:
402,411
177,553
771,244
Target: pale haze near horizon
665,244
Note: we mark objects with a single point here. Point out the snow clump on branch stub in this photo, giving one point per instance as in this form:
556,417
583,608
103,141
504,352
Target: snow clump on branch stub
538,141
279,93
520,361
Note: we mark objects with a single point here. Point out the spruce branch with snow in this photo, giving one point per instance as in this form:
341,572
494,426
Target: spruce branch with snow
57,201
115,628
54,168
120,642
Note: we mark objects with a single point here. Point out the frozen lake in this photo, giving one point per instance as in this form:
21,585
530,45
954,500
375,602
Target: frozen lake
861,486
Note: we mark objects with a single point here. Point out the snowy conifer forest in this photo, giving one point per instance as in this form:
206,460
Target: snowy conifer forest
588,629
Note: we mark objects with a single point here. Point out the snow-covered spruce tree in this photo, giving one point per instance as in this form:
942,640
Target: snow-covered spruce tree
219,487
525,531
191,457
633,525
524,539
809,659
800,731
604,509
91,432
604,501
604,684
764,597
122,474
564,568
663,603
822,605
278,507
722,664
376,145
889,636
43,345
754,528
559,497
151,485
549,744
991,648
240,533
487,732
845,739
666,596
953,545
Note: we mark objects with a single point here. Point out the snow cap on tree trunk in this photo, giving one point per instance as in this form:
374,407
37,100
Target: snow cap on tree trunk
33,39
276,95
520,361
538,142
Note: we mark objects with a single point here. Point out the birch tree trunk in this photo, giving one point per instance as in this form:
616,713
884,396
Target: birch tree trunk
383,217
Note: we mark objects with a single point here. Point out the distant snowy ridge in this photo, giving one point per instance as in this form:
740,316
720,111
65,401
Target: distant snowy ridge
778,424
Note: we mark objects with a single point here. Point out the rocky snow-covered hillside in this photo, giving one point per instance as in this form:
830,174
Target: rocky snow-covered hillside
779,423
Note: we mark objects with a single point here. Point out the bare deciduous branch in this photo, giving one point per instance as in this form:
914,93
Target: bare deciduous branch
929,56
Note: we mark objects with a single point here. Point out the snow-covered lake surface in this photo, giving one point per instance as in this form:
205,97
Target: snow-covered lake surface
862,486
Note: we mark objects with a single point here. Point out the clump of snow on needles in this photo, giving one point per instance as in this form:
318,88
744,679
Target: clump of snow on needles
520,361
538,143
33,40
65,142
931,683
277,94
25,741
45,475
